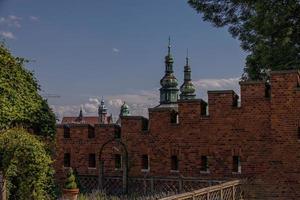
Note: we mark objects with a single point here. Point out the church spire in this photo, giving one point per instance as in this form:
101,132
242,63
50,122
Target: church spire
169,59
102,111
80,116
187,89
169,47
168,90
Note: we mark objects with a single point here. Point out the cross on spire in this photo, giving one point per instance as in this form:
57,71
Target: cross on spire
169,46
187,57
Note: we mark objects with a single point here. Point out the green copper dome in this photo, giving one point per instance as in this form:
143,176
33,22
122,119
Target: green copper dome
187,89
169,83
124,110
169,80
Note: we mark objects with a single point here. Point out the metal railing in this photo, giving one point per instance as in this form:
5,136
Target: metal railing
226,191
147,185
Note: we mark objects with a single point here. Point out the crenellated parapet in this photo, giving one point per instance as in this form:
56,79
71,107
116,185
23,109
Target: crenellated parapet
255,136
221,101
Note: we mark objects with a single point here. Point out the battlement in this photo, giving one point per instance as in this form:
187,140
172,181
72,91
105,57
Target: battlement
224,102
257,139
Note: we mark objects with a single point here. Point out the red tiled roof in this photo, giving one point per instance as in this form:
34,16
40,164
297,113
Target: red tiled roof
85,120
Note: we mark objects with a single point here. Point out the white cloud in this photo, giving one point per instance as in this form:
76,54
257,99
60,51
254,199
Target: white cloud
11,21
213,84
34,18
204,85
14,18
7,34
94,100
116,50
140,101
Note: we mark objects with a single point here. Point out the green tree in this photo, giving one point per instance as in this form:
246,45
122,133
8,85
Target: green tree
26,166
20,102
268,30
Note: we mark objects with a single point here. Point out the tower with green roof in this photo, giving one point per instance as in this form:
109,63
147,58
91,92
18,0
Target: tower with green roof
169,83
124,110
102,112
187,89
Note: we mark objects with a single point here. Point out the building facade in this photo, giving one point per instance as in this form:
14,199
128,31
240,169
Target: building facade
257,140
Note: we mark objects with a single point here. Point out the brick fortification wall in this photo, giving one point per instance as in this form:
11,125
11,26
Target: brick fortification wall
264,132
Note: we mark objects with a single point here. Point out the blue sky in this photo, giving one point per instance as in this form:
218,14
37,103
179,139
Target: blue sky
82,50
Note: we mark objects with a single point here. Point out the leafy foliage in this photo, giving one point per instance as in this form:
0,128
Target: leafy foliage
20,102
268,29
26,165
71,180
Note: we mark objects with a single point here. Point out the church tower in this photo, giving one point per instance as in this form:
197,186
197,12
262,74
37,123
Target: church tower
124,110
168,90
187,89
102,112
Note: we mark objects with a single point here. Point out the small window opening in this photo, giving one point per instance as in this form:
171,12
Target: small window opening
204,164
203,109
174,163
91,133
67,160
235,102
117,133
92,160
145,123
145,162
67,132
267,90
118,161
174,117
236,164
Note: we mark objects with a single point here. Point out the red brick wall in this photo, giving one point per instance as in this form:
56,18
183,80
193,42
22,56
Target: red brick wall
80,146
263,131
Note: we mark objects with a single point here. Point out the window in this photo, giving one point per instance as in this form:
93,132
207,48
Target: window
299,133
118,161
203,109
267,90
236,164
66,132
117,133
174,163
235,102
91,133
92,160
145,123
174,117
204,164
67,160
145,162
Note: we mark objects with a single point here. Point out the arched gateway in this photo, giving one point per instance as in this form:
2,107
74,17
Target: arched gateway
124,165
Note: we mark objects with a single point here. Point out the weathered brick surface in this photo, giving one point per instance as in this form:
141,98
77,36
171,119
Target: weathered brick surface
263,131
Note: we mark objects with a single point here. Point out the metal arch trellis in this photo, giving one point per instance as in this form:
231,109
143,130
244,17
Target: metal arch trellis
125,168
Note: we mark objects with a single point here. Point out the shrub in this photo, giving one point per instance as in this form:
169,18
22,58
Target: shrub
26,165
71,180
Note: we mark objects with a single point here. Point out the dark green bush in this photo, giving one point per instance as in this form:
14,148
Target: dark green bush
26,165
71,180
